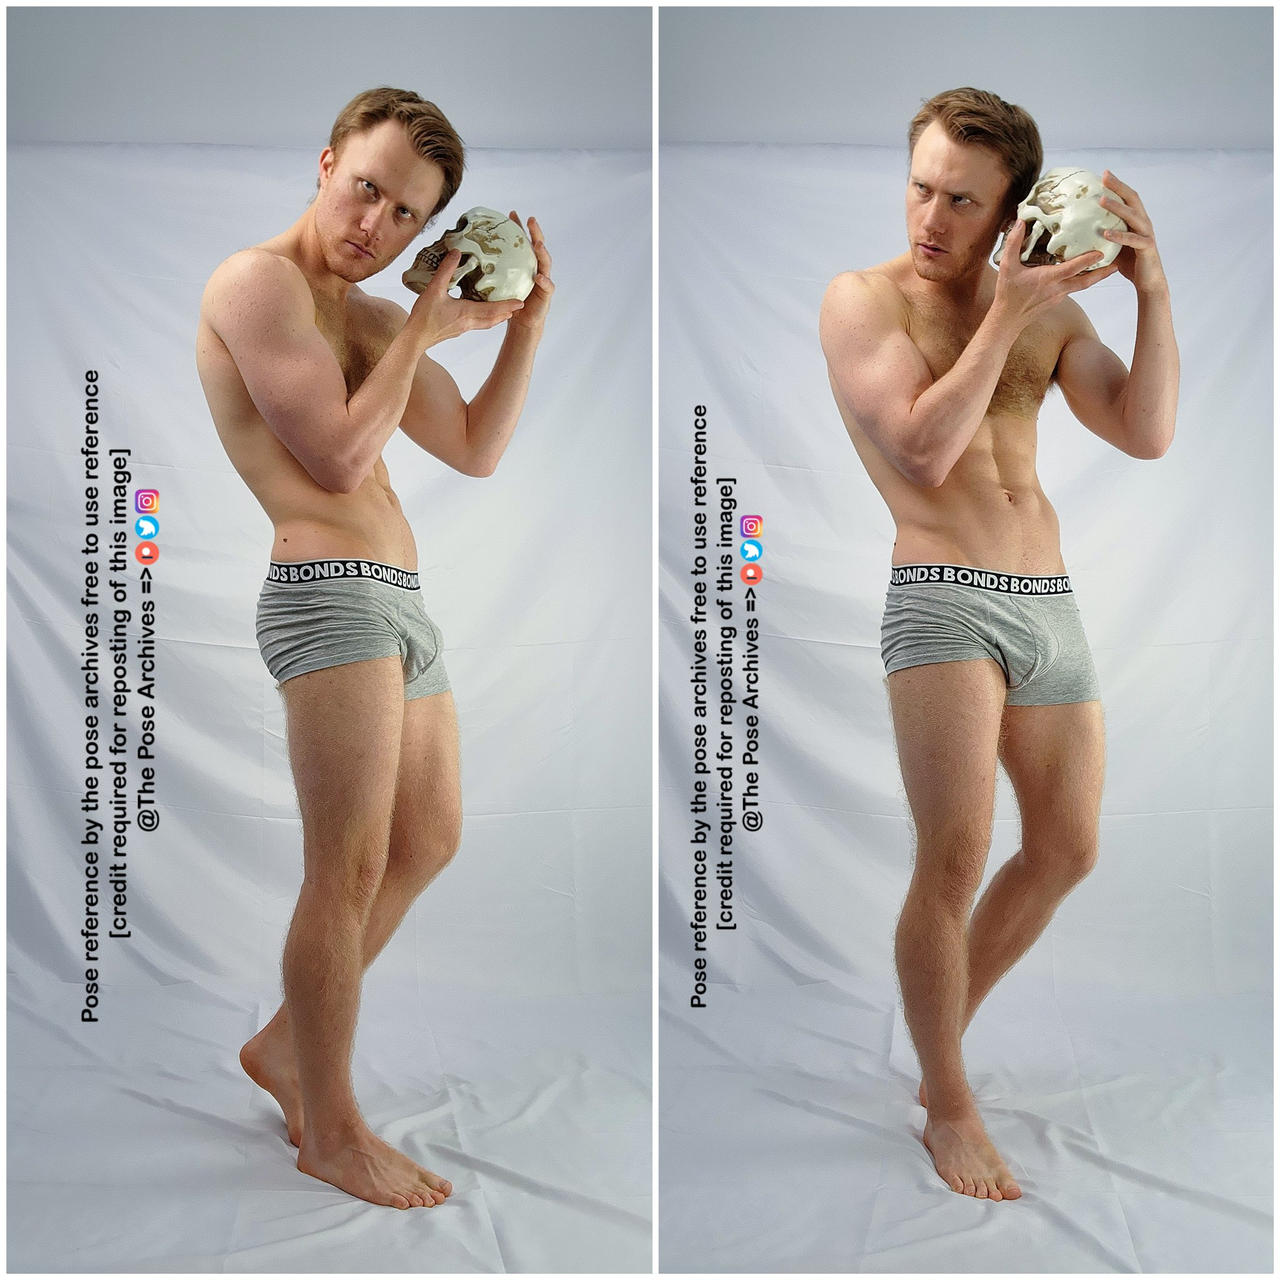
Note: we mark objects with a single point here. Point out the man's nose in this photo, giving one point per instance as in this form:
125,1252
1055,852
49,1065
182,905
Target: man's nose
371,223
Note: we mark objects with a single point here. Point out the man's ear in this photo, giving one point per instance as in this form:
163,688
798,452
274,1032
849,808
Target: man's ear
327,158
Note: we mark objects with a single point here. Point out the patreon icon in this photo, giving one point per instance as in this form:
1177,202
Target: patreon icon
146,500
751,574
146,553
751,526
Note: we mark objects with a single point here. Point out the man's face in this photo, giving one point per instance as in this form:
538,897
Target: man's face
375,195
954,199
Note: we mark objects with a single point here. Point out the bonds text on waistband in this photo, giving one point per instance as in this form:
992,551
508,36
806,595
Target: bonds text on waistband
321,570
903,575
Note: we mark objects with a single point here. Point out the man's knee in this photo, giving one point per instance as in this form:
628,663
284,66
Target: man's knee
351,876
949,866
1066,857
420,852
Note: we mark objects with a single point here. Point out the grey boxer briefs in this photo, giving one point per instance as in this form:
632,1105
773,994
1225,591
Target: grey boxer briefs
1029,624
314,614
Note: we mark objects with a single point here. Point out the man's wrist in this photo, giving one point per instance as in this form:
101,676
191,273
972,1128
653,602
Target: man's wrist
525,331
1155,291
1002,325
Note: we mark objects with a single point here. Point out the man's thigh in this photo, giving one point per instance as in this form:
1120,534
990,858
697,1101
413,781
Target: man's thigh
428,798
946,719
1055,757
344,728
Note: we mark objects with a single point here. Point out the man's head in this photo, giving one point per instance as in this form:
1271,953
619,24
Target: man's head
973,157
430,134
392,163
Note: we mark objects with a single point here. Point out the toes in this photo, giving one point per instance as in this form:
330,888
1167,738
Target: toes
399,1202
1011,1190
970,1188
982,1190
956,1183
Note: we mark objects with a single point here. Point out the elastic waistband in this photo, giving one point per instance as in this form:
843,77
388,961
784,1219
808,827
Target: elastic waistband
958,575
322,570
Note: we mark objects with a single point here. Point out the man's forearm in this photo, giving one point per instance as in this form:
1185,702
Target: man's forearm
375,411
495,409
1151,392
945,418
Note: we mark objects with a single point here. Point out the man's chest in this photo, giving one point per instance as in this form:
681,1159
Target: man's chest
357,339
942,334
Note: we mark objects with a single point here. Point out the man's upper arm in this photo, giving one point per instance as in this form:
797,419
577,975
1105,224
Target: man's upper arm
262,309
877,371
1093,379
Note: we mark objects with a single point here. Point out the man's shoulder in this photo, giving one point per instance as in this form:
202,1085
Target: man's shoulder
256,265
871,292
256,276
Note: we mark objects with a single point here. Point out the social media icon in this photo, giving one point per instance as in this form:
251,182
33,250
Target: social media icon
146,553
147,527
751,549
751,526
751,574
147,500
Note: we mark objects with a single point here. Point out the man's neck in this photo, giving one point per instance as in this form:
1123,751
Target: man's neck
301,243
970,293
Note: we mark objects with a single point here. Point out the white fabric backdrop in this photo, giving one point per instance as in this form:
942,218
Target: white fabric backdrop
1124,1067
504,1037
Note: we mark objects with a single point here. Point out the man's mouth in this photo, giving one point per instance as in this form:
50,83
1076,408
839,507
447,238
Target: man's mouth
931,249
360,249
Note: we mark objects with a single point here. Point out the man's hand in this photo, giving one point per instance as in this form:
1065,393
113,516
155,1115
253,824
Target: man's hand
438,316
538,302
1139,260
1024,292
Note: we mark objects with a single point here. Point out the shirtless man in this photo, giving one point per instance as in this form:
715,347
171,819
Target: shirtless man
307,378
939,365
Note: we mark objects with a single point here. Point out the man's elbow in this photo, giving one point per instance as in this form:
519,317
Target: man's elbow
479,468
924,471
1153,447
335,476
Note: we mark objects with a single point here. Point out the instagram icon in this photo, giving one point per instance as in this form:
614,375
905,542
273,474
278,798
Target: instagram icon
751,526
146,500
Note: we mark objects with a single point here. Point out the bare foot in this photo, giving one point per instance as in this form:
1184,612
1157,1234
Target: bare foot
361,1164
966,1160
269,1062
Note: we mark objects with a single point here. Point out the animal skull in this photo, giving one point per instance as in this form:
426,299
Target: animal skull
1064,202
497,260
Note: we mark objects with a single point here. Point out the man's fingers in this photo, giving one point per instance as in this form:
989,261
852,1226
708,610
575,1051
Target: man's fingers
1109,179
443,277
1012,247
484,315
1086,279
